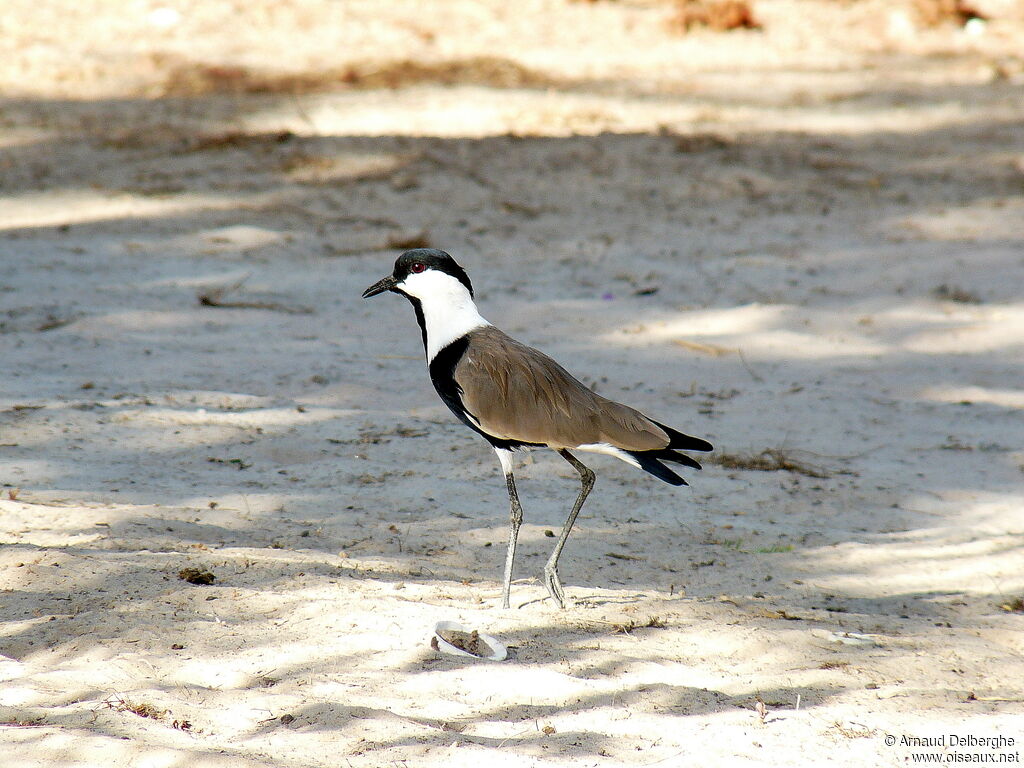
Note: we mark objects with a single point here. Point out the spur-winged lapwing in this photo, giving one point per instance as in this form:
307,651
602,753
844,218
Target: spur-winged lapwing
517,397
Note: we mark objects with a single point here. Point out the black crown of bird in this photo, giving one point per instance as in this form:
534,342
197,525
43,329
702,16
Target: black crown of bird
518,398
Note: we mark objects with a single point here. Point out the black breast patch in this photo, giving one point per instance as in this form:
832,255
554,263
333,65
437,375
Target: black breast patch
442,374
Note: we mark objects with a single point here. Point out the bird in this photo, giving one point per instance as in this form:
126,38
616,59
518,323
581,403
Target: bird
518,398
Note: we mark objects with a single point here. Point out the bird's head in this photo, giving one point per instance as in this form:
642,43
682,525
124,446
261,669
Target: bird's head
424,274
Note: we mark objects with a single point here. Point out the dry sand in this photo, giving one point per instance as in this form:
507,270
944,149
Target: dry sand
805,240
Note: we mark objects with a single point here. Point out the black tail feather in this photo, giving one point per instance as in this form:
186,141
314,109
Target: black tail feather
677,439
679,458
648,462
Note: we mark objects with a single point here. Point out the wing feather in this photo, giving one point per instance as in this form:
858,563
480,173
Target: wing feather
516,392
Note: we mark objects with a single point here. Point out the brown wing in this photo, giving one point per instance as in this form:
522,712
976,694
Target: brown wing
518,393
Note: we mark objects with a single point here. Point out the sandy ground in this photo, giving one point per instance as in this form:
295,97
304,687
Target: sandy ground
805,240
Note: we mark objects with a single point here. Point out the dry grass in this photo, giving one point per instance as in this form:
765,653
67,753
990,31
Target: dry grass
1014,606
705,349
934,13
190,79
15,722
196,576
119,704
215,297
653,622
769,460
833,664
957,294
717,15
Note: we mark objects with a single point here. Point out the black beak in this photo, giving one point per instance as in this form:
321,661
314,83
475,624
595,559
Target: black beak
384,284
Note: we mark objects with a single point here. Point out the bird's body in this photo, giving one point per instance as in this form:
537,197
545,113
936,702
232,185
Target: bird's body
516,397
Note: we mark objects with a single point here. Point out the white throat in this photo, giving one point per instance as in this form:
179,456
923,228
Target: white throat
448,310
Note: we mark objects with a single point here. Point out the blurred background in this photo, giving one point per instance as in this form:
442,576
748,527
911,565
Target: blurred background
105,49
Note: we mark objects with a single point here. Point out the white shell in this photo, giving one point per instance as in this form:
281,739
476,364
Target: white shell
498,651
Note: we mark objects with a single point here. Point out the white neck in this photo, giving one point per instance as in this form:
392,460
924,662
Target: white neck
448,310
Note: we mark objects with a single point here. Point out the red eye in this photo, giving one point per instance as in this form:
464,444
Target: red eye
417,267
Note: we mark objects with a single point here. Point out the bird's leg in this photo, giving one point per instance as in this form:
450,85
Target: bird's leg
515,519
551,580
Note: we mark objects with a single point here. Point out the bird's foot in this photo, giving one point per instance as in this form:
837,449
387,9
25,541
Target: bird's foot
554,585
